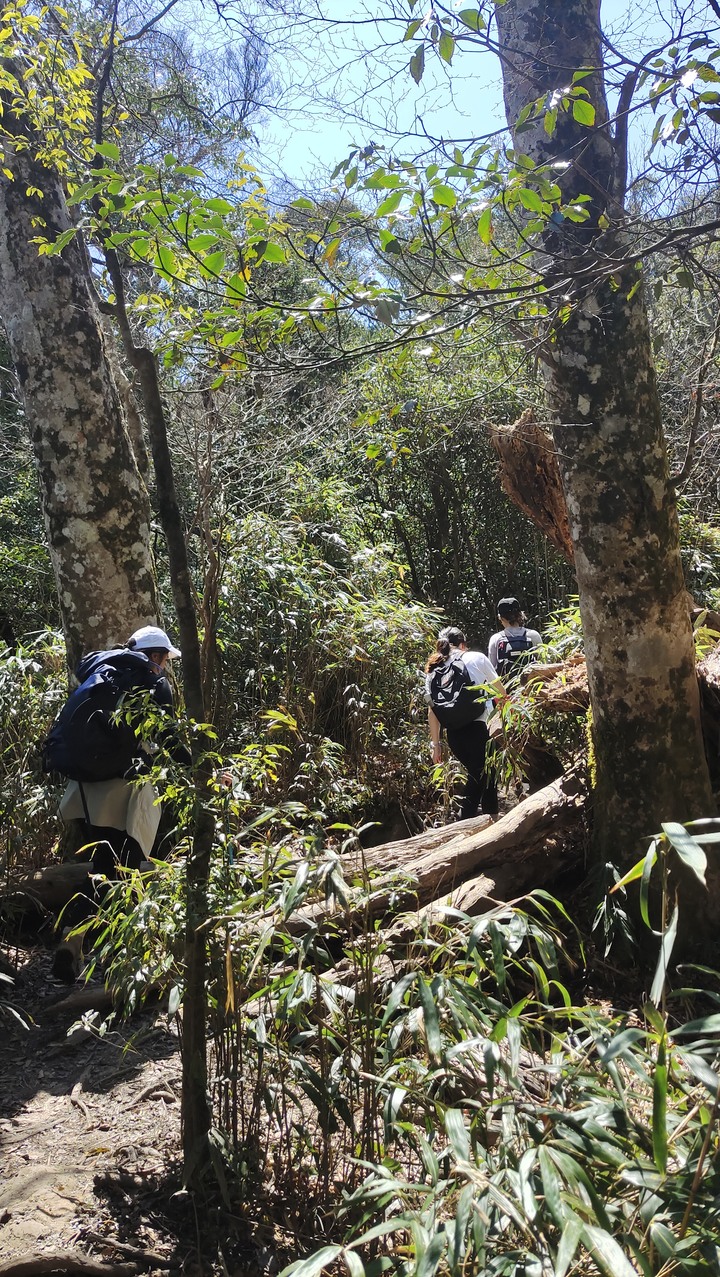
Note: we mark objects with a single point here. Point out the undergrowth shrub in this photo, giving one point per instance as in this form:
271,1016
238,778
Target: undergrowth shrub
434,1097
317,627
33,685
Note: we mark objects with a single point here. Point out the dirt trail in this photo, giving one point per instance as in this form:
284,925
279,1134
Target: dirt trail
89,1130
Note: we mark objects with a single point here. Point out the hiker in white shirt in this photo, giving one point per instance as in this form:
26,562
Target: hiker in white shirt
468,738
510,645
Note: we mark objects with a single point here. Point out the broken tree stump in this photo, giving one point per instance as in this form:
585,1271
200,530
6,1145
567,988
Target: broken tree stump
530,475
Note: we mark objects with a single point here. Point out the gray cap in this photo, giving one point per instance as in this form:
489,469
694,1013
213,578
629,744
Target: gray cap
508,607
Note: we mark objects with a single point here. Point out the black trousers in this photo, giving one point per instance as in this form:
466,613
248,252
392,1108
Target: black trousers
115,849
469,746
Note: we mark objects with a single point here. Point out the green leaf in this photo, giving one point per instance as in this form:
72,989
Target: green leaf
165,261
314,1265
219,206
413,28
659,1113
212,265
389,204
236,287
485,225
417,63
471,19
530,200
550,121
443,195
140,246
606,1252
687,848
446,47
108,149
583,112
274,253
666,948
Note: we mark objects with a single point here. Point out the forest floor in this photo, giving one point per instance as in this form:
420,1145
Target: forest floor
89,1143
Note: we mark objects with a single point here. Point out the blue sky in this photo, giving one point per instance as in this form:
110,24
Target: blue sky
361,65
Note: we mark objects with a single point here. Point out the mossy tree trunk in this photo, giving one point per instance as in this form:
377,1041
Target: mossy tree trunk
649,759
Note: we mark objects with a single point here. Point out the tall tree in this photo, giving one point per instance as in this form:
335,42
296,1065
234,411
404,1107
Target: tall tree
95,505
608,434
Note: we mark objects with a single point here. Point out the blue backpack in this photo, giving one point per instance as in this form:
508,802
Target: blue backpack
89,740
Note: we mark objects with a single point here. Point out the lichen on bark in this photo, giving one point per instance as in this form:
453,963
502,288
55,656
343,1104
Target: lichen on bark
607,429
95,505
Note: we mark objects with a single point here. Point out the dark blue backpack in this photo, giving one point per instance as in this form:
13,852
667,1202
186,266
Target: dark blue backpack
512,653
89,740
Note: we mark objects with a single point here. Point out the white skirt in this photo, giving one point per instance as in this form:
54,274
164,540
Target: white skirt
120,804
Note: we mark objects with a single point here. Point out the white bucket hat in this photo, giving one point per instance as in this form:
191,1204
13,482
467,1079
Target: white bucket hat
149,638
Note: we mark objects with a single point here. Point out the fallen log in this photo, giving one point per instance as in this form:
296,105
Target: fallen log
51,887
523,848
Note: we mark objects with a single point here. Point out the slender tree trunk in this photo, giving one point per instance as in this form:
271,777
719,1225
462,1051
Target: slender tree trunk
196,1117
649,758
95,505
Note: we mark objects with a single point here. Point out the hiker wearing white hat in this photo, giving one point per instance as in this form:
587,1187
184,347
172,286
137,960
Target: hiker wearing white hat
105,763
150,638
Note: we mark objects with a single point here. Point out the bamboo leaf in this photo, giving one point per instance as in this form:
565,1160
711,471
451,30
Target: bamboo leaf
606,1252
619,1044
457,1133
353,1263
569,1240
436,1248
430,1016
687,848
666,948
314,1264
659,1114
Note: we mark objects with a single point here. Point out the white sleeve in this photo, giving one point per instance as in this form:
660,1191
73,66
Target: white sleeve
493,650
479,668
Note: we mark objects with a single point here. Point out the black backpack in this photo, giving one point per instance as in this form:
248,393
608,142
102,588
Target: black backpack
512,653
88,741
454,702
